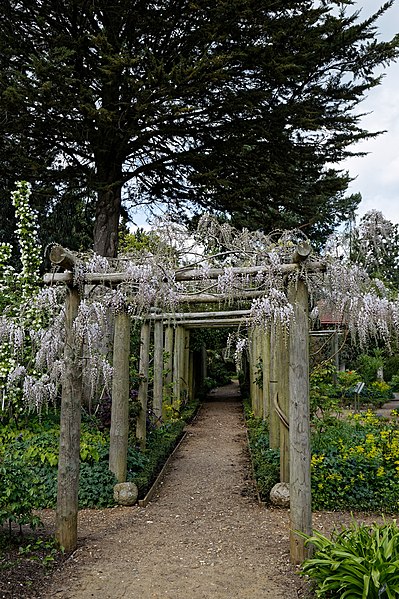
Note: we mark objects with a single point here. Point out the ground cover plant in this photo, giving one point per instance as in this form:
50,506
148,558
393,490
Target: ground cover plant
360,561
28,483
29,461
25,561
355,463
265,461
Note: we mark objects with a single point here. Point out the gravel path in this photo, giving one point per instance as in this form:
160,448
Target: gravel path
203,536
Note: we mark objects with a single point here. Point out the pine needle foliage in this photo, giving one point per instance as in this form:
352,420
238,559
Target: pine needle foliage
242,106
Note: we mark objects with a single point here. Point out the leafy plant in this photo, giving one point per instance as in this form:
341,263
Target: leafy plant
96,485
391,367
41,550
160,443
355,464
265,461
394,383
359,562
324,394
368,366
20,491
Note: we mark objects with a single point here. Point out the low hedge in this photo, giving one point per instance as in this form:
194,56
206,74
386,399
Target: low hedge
265,461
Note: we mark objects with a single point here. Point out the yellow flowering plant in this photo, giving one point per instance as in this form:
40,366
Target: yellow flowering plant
355,464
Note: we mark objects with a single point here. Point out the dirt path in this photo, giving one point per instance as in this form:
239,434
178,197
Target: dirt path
203,536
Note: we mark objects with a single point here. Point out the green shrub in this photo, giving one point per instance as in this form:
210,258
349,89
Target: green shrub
20,491
324,392
160,444
391,367
265,461
358,562
32,461
368,366
96,485
394,383
355,464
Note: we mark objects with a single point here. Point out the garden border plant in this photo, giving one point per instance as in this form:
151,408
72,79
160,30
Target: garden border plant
359,561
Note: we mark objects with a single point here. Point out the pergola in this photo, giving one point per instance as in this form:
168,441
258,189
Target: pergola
283,398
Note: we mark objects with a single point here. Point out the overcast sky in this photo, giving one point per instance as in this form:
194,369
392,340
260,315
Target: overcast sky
377,174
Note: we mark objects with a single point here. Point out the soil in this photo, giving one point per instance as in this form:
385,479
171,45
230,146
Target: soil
204,535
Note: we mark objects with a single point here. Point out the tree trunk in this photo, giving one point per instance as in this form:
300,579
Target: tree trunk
108,208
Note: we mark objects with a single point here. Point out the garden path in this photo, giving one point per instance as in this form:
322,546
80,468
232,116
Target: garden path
204,535
387,408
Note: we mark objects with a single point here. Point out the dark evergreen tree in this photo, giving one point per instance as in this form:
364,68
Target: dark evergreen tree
235,106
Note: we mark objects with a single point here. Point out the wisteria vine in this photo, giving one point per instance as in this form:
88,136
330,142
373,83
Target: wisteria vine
177,264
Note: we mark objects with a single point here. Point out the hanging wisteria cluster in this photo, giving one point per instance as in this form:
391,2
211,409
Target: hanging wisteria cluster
178,270
365,306
271,310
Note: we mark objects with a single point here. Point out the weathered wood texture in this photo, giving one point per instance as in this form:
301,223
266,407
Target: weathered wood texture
186,365
275,372
178,363
119,432
251,368
69,448
158,371
266,373
283,405
191,376
194,274
258,371
62,257
168,348
300,489
141,432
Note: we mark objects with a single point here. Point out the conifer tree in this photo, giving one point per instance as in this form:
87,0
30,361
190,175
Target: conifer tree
235,106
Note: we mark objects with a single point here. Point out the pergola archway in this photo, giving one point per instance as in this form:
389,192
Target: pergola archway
284,399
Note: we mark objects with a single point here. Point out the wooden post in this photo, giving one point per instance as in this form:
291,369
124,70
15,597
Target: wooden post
266,373
177,362
275,372
300,489
167,389
253,387
191,377
141,430
186,365
69,449
204,364
119,432
158,370
259,372
62,257
284,406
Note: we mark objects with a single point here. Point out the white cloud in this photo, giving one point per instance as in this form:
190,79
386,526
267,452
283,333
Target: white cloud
377,174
